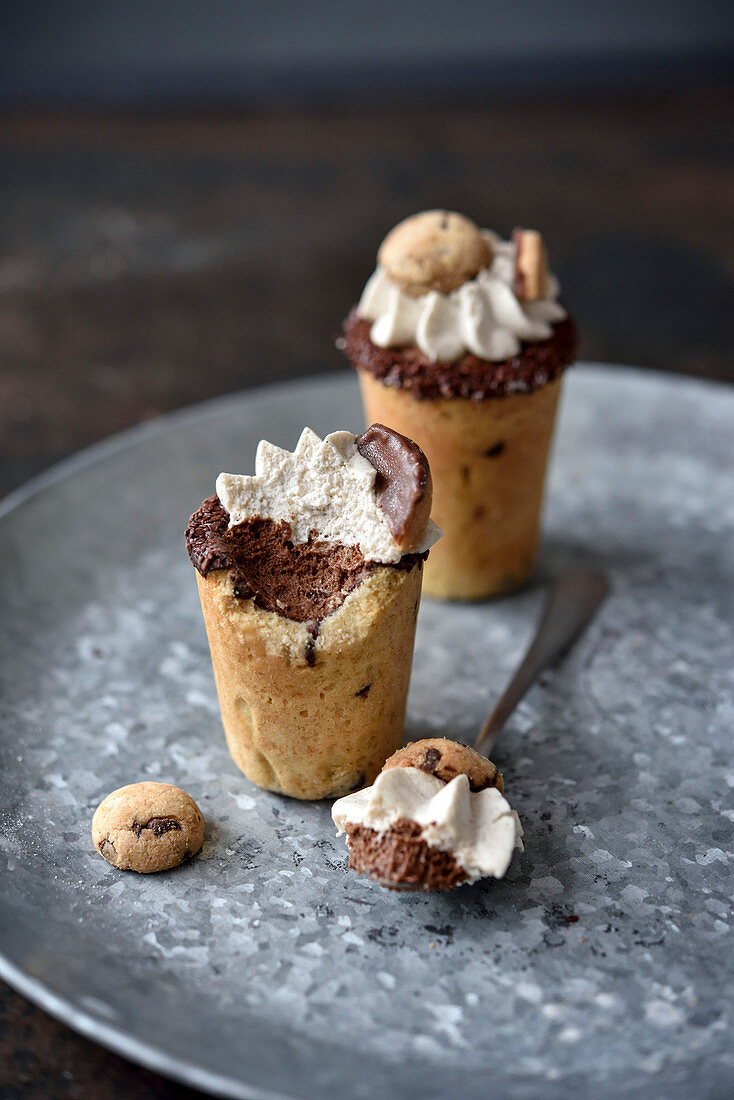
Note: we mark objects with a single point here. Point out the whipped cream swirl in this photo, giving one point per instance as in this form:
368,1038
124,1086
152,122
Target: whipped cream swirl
484,316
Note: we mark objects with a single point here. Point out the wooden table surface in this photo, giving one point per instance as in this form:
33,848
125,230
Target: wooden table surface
150,262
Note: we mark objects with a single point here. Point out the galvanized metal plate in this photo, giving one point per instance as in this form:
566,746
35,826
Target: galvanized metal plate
263,967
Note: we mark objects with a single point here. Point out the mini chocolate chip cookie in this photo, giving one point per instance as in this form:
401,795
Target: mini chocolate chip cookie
435,250
446,759
147,827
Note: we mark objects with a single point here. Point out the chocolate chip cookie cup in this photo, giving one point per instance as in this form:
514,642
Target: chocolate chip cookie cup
459,342
310,576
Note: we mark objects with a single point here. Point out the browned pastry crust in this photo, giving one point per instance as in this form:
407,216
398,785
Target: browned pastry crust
446,759
312,709
400,858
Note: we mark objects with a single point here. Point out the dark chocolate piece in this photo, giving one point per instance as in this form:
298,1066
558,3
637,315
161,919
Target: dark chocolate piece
431,757
161,825
402,475
469,377
313,633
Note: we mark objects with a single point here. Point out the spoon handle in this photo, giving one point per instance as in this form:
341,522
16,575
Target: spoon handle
571,603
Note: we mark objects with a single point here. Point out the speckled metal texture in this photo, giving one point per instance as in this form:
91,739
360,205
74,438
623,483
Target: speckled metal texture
599,965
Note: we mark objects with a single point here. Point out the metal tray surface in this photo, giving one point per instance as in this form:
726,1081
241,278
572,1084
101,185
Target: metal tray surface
263,968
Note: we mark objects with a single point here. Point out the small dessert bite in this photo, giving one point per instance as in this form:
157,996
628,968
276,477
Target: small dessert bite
147,827
309,575
460,342
434,818
435,250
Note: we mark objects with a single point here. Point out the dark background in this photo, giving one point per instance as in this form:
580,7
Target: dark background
192,195
259,51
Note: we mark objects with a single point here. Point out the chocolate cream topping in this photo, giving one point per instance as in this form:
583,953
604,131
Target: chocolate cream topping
400,857
403,476
469,377
305,581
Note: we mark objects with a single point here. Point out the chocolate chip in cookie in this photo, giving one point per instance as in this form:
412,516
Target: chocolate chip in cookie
446,759
147,827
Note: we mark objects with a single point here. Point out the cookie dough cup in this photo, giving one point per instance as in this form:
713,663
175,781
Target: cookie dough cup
311,634
313,717
488,460
473,374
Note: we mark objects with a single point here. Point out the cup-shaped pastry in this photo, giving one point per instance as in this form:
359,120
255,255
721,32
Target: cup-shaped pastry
309,575
460,342
488,460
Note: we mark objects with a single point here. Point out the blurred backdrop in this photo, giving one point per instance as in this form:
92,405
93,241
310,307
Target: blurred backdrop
192,195
260,51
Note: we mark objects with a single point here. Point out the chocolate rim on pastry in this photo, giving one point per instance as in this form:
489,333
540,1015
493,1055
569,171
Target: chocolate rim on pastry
470,377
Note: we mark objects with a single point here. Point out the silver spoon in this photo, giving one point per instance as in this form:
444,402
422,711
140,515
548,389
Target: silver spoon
572,600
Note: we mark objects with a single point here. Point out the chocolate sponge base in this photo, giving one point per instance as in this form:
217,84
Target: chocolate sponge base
400,859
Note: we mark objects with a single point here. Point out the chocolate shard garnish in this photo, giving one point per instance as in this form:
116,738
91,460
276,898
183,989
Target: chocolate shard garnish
532,278
403,485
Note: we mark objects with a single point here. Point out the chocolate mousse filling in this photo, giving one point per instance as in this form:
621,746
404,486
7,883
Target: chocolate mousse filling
469,377
305,581
399,857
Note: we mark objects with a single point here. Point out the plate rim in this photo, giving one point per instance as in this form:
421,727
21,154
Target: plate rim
121,1042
